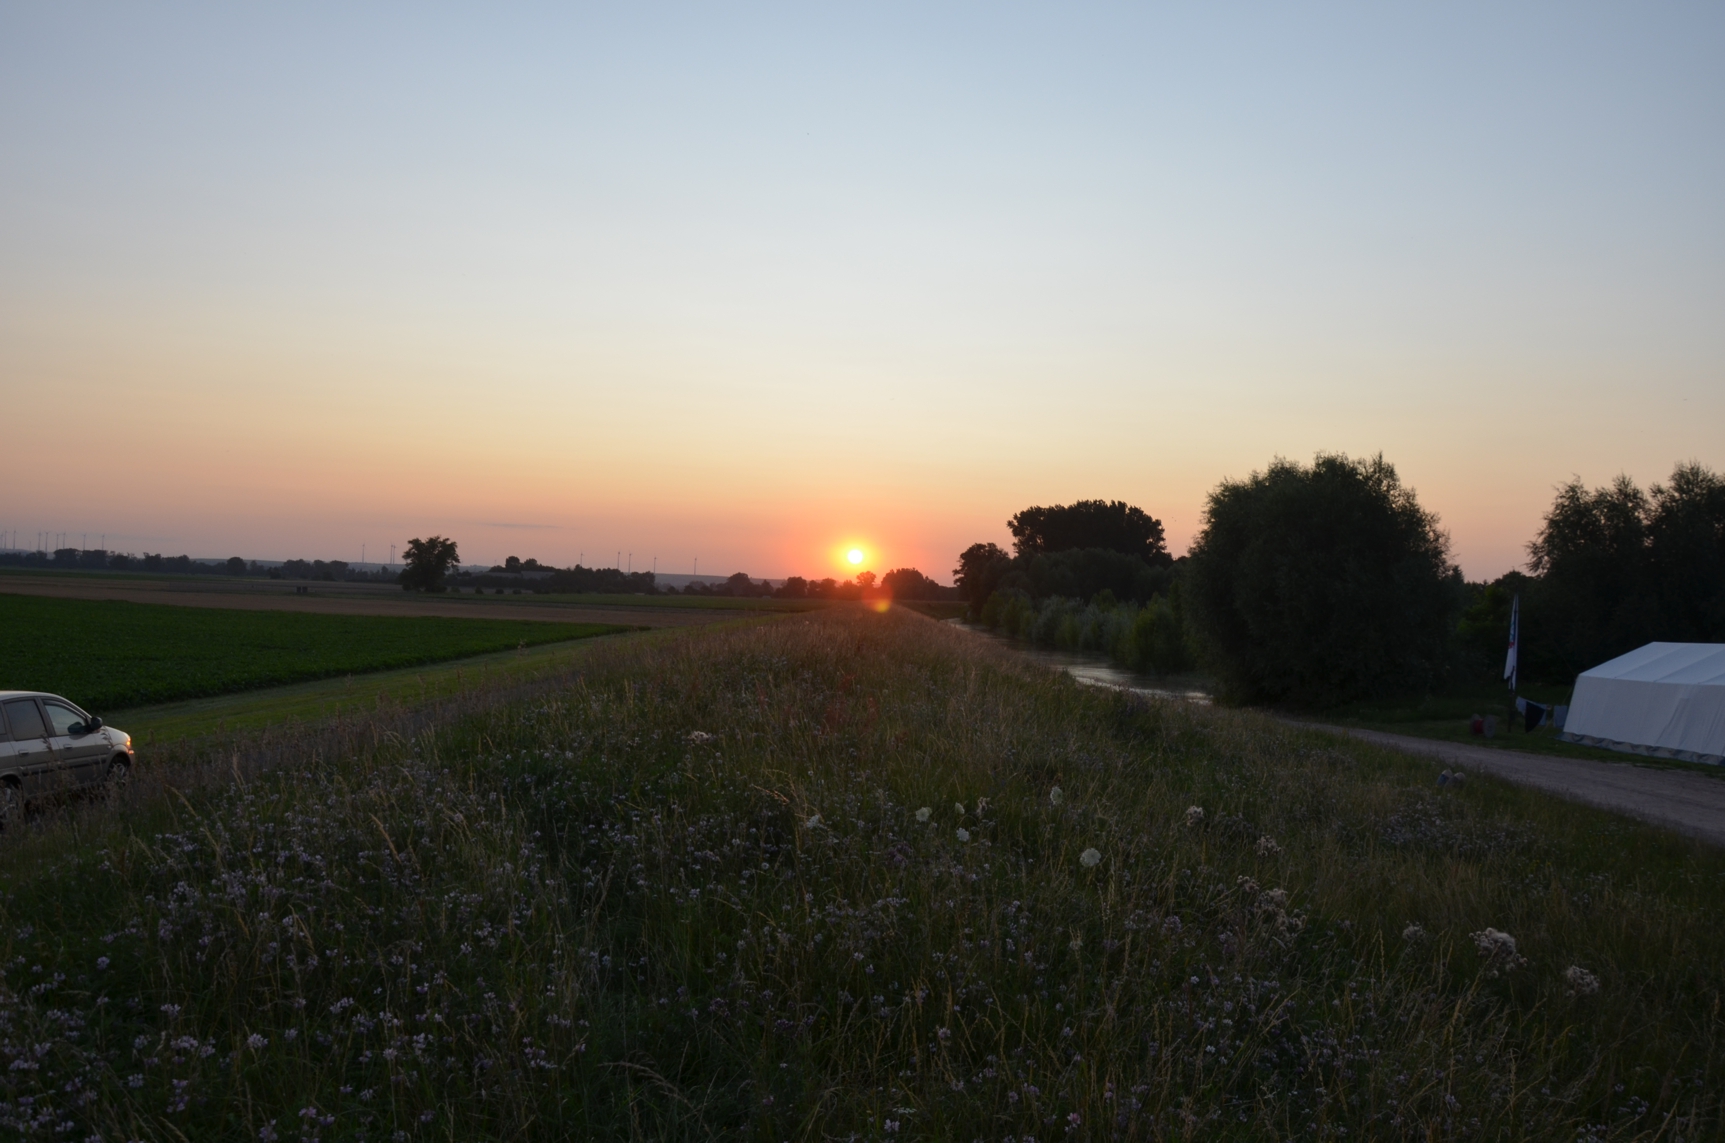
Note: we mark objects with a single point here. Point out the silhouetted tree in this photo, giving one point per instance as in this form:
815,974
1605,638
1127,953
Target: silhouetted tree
1113,525
1686,553
428,562
1323,584
909,583
1618,567
981,567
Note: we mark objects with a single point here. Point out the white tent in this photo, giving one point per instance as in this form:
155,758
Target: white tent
1664,699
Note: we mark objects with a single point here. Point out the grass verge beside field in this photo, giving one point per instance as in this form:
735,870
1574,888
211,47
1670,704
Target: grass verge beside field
847,875
234,716
104,654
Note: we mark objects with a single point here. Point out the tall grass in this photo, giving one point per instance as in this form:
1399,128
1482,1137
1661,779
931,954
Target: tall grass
690,890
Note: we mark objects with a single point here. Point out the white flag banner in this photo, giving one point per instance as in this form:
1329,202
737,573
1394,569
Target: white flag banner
1509,662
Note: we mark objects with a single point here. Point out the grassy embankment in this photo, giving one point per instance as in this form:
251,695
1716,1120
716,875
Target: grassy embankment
104,654
238,717
687,890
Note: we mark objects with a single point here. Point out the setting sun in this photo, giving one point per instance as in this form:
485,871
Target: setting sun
855,555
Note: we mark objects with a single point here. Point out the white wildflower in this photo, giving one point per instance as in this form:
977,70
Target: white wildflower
1194,816
1580,982
958,808
814,820
1413,933
963,834
1498,949
1090,858
981,806
699,737
1491,942
255,1041
923,814
1056,796
1268,846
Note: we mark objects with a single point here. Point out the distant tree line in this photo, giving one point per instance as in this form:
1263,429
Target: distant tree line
1314,585
433,565
900,583
97,559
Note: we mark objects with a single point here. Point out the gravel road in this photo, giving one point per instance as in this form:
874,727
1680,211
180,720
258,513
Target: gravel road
1692,804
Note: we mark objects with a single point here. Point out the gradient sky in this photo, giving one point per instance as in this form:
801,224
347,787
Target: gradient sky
751,284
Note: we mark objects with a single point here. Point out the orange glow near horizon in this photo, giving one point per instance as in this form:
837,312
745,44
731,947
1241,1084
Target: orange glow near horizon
774,314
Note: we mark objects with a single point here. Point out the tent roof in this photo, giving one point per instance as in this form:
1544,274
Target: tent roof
1664,698
1683,664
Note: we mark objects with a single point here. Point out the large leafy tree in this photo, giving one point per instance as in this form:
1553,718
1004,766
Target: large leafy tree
980,569
1592,599
909,583
1686,553
1112,525
428,562
1618,567
1314,585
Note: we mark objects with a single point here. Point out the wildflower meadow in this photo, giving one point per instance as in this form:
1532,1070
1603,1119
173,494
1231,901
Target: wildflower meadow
845,875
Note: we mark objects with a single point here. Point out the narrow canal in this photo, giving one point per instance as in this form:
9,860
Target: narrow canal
1096,671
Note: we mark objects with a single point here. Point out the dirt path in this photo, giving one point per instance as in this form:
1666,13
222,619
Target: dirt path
1691,804
335,600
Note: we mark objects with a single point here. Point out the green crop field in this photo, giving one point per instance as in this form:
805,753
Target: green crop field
104,654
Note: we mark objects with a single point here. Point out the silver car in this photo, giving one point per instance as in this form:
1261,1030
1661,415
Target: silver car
48,746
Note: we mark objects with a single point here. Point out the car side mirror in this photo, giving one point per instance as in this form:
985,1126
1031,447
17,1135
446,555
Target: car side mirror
94,724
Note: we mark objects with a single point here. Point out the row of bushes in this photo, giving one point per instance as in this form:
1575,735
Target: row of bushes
1148,637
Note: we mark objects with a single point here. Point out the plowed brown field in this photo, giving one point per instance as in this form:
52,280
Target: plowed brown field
351,599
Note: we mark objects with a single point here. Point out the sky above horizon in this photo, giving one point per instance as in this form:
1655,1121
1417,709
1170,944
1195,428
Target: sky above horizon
755,284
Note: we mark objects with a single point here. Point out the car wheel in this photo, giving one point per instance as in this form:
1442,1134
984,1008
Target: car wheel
11,805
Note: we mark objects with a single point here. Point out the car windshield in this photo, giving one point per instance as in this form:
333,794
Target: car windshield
26,722
65,720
